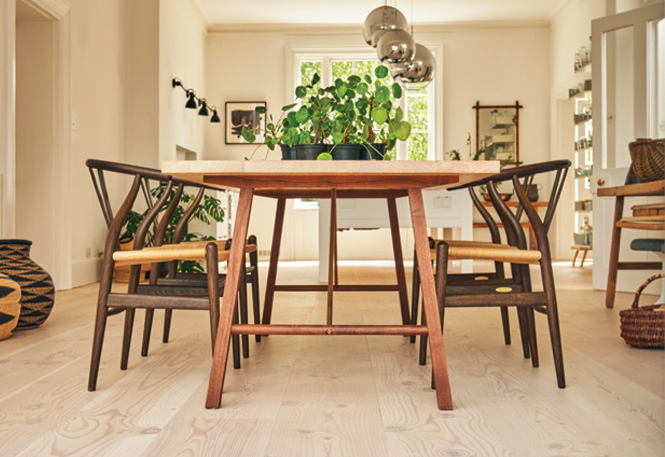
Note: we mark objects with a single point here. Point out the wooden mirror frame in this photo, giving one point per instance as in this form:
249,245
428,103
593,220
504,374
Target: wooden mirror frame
516,107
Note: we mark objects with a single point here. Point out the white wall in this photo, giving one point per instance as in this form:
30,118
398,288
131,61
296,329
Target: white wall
182,38
7,118
35,139
570,29
490,65
99,84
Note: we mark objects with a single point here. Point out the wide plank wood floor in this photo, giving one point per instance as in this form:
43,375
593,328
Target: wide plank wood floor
344,396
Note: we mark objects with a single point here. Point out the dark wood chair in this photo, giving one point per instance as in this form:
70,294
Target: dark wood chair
497,274
161,293
502,292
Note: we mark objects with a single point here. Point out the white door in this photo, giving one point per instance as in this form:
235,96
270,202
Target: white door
628,99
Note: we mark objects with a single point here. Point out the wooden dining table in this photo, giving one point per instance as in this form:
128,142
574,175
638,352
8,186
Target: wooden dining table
330,179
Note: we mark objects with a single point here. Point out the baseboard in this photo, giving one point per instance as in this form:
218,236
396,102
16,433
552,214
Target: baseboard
86,271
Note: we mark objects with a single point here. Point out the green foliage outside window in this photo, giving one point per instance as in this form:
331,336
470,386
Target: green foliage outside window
417,147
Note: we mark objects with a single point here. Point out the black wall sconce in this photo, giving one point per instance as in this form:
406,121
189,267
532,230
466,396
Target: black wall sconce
194,102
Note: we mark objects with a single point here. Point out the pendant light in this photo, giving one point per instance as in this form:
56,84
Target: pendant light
396,47
381,20
417,73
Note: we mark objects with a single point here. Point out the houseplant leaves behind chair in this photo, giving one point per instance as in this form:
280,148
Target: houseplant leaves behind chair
209,209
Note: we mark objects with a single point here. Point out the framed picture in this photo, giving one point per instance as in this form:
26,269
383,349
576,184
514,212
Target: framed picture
241,115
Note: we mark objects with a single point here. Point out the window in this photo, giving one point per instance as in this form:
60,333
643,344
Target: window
418,106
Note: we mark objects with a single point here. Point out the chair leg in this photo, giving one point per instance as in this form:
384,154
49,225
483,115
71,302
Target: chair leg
244,319
254,279
415,295
523,326
505,320
147,330
213,290
553,320
235,341
533,341
127,337
100,324
422,359
168,313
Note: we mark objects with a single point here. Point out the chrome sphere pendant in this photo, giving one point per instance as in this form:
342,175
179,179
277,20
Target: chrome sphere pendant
381,20
416,74
396,47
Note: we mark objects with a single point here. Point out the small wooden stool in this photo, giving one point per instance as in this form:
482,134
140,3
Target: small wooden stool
577,249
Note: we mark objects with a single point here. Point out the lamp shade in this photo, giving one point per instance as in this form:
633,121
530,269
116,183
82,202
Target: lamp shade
191,101
417,73
204,108
215,117
395,47
381,20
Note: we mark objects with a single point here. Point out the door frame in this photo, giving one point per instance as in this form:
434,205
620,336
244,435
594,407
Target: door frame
640,20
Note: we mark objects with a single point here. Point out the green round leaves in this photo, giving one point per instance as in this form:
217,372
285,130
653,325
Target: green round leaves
381,71
285,108
402,130
301,92
382,95
302,115
380,115
338,137
260,109
397,90
324,156
248,136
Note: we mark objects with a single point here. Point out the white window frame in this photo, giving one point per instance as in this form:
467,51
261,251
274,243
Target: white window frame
297,54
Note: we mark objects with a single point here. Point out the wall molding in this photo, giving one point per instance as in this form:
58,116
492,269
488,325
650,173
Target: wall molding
356,29
52,9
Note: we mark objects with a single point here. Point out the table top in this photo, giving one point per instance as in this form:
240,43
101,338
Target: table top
635,190
342,174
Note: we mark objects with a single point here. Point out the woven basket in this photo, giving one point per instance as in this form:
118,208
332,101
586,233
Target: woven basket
644,327
648,158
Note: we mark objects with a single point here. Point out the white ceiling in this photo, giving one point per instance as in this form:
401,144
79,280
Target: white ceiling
350,12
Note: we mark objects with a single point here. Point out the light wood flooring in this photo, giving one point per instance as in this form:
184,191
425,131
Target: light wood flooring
342,396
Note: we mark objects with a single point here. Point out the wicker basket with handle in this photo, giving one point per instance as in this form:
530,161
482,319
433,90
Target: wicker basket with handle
644,327
648,157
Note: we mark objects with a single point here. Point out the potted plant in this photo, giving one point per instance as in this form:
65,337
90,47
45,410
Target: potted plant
276,133
377,108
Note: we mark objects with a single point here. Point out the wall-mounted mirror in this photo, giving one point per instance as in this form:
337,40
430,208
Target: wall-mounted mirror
497,132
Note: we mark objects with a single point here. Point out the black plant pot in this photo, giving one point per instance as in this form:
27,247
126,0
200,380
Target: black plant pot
310,151
37,289
373,151
346,151
288,152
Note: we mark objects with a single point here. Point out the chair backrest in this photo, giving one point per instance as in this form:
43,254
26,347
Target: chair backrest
142,181
511,220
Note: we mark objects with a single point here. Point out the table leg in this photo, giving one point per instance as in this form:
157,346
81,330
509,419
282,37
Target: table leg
614,255
430,305
233,277
274,259
331,253
399,260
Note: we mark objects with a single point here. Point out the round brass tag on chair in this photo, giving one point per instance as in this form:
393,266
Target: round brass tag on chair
329,331
481,278
504,290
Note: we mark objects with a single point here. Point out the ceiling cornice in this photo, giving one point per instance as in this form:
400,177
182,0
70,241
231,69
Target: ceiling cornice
327,29
562,10
52,9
